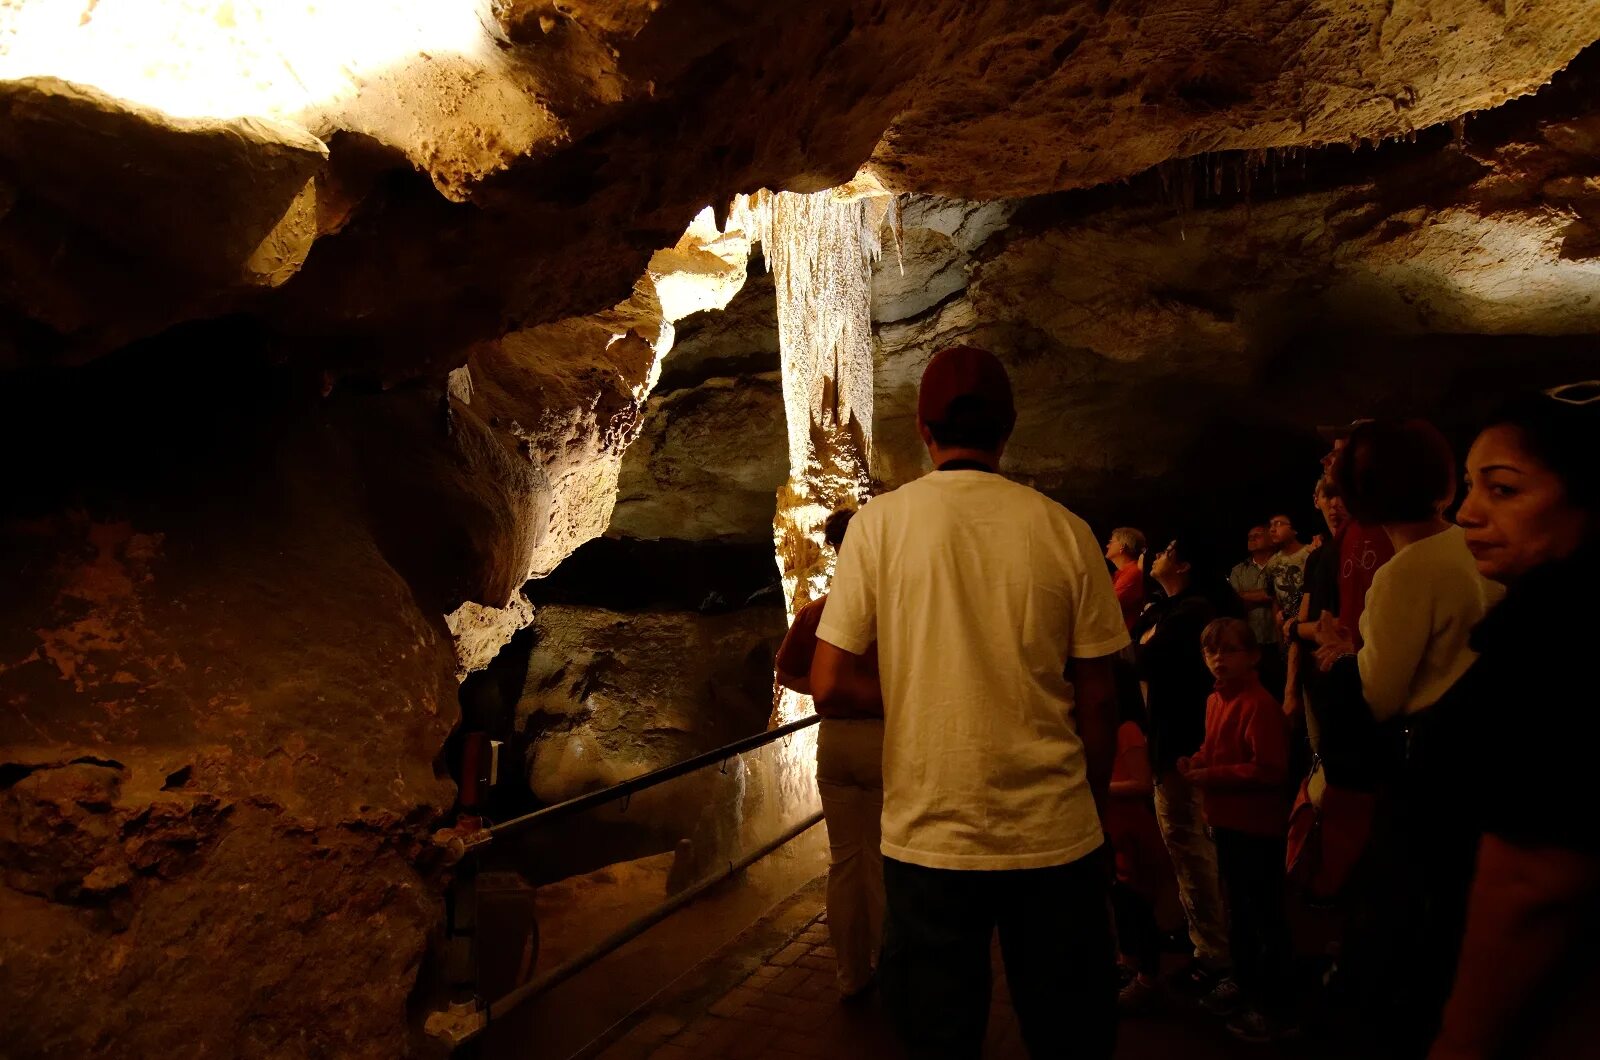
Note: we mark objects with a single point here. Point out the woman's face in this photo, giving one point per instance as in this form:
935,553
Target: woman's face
1516,514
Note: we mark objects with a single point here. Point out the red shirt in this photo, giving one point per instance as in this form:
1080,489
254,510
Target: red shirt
1246,759
1362,550
1129,586
799,648
1141,856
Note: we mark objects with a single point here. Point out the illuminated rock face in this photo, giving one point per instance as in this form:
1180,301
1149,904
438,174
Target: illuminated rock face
1173,341
288,381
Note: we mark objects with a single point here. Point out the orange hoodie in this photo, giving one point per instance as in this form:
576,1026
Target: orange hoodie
1246,760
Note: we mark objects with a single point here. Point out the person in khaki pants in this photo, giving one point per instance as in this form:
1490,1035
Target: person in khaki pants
850,781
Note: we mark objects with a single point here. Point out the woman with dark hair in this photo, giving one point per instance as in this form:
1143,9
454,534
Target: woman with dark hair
1517,735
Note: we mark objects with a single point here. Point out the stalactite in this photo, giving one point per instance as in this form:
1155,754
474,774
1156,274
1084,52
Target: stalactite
820,248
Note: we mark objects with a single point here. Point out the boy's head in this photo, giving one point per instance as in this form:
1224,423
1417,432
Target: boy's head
1230,649
1282,529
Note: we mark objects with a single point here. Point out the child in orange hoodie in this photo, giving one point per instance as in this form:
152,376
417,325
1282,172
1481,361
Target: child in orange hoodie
1240,770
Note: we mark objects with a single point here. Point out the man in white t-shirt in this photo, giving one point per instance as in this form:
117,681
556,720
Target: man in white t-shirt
996,624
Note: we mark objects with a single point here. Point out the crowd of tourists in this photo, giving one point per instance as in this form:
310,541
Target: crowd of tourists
1374,738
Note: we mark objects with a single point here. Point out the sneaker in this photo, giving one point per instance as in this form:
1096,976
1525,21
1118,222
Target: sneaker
1250,1026
1138,996
1223,999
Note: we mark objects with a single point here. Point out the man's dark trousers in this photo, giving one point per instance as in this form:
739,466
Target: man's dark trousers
1055,937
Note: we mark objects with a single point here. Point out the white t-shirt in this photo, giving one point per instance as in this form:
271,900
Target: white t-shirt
1420,611
977,591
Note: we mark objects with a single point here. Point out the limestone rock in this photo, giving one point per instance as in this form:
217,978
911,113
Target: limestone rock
204,773
741,339
610,696
707,465
1144,326
562,146
1053,102
928,256
199,210
613,695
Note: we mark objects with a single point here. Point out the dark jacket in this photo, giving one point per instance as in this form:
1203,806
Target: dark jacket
1173,667
1515,739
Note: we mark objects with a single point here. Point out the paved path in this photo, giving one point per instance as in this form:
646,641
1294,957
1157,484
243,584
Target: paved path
771,994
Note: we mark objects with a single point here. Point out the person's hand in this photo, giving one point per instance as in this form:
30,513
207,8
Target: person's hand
1316,542
1147,635
1330,631
1333,641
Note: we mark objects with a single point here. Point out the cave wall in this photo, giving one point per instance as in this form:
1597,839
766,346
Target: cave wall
1175,340
219,774
250,478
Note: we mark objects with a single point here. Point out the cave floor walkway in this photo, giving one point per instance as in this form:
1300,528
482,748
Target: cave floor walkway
770,993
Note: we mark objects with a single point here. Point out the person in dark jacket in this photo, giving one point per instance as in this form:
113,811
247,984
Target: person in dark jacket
1177,685
1514,740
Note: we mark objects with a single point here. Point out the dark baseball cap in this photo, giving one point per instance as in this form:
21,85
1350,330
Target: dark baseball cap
966,372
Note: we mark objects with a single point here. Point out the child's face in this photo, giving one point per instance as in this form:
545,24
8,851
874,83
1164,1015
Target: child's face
1229,662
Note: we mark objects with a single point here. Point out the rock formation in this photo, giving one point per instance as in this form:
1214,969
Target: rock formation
315,333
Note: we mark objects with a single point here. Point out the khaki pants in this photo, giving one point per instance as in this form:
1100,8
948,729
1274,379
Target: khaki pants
850,781
1194,862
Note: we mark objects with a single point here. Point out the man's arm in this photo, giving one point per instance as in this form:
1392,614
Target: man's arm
1526,903
843,682
795,681
1248,597
1095,714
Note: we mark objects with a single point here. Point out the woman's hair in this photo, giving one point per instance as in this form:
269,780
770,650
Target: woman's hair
1223,633
835,525
1395,471
1130,539
1563,434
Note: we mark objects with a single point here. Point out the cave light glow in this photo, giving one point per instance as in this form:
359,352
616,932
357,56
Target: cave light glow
276,59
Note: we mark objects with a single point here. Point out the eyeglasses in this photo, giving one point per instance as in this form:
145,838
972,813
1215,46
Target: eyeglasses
1584,393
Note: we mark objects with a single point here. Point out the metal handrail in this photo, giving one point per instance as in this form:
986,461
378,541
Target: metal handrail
647,780
462,1023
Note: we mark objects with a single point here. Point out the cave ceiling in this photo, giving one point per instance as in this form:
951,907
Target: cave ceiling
400,199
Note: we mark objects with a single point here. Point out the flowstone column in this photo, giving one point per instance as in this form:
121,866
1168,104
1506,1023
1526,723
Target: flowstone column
821,248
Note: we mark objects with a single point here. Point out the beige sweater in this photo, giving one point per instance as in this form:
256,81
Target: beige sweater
1420,612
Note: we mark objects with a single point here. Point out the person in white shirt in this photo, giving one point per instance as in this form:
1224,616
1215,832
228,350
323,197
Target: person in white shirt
1424,602
996,625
